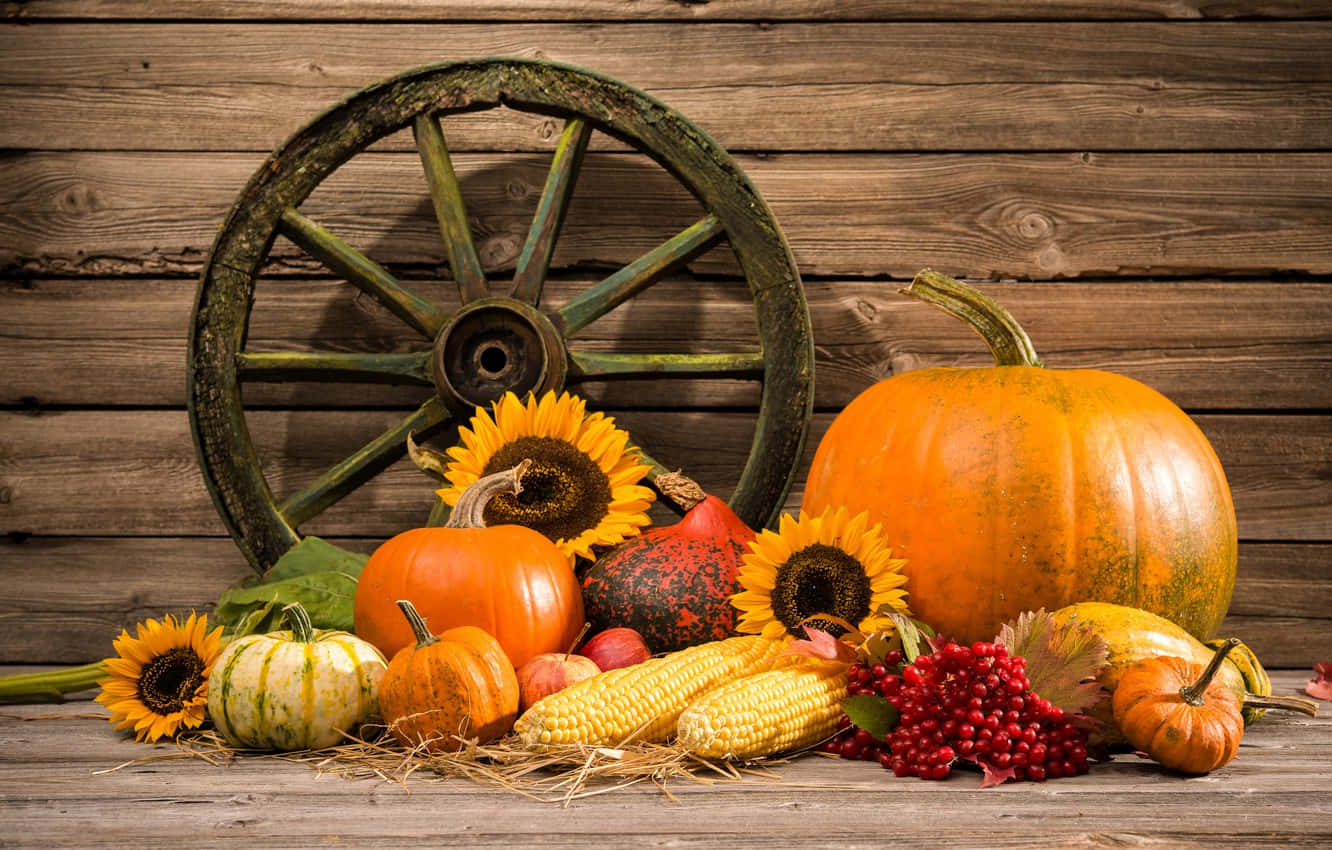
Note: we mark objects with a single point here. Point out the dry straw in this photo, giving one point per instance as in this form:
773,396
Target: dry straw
556,775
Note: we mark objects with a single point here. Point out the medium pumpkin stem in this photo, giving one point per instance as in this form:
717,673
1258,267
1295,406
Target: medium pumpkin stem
1193,694
302,630
680,488
471,508
423,635
1007,341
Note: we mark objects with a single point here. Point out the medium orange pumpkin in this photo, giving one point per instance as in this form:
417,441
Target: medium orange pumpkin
1173,710
1017,487
445,689
509,580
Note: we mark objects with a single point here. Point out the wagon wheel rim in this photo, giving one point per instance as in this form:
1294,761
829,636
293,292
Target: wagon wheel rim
467,364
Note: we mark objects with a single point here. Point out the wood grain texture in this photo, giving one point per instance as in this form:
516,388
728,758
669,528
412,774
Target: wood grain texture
1277,467
1131,85
67,597
1211,344
53,783
1035,216
677,10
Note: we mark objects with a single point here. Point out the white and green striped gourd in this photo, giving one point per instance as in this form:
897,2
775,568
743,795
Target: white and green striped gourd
294,690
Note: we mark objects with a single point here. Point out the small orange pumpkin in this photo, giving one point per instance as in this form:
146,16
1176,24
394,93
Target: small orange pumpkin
448,688
1171,709
509,580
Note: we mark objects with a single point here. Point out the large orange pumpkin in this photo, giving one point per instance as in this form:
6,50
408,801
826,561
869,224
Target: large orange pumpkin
1016,487
509,580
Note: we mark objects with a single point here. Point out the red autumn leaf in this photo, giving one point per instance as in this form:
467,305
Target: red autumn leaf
1321,687
821,645
994,775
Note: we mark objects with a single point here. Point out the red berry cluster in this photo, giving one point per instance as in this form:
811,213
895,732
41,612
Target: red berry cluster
872,680
973,703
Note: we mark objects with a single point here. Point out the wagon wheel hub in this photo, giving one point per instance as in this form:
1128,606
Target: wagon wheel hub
495,346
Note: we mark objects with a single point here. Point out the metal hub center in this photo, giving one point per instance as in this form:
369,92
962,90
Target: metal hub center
496,346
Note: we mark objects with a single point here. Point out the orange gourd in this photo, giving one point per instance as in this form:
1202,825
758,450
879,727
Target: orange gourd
1017,487
509,580
1172,709
448,688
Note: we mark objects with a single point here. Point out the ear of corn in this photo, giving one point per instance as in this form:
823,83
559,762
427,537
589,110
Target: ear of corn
794,705
646,698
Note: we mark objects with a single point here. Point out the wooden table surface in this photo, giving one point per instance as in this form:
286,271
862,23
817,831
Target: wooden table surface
60,789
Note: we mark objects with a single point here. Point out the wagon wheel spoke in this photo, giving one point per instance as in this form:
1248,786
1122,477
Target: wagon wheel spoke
450,209
353,471
591,366
269,366
363,273
534,261
624,284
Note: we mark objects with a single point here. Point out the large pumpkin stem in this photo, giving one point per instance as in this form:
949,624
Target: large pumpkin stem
419,630
471,508
302,630
1193,694
1007,341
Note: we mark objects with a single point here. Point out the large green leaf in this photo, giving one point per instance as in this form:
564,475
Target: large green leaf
314,572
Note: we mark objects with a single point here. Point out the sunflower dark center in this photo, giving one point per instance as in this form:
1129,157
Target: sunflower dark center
821,579
564,492
169,681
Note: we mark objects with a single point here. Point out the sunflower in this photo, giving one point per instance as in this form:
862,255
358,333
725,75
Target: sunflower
833,565
158,681
582,489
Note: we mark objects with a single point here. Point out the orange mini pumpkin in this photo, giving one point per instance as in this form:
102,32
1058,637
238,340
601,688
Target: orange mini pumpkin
448,688
1017,487
1171,709
509,580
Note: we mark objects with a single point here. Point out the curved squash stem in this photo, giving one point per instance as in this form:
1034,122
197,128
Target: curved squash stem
423,635
1193,694
1303,705
1006,339
302,630
471,507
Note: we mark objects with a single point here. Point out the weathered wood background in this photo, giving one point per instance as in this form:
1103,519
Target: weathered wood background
1146,183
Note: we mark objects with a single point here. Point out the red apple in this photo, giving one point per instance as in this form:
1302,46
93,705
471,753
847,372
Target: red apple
549,672
618,647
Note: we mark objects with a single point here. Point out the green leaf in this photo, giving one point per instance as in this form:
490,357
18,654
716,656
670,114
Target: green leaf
912,632
875,715
1062,662
320,576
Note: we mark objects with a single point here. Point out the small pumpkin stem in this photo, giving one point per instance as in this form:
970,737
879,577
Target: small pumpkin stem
1006,339
1193,694
1303,705
471,508
302,630
680,488
423,635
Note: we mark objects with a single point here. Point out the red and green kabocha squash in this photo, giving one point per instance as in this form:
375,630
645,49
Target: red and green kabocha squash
509,580
293,690
1017,487
445,689
672,584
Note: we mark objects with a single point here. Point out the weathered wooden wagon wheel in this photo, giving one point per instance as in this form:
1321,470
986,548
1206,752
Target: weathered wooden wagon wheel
494,342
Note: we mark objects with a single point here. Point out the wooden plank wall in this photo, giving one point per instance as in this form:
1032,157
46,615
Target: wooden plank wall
1146,183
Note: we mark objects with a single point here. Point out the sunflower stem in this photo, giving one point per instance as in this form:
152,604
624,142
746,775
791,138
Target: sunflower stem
51,685
302,630
471,507
423,635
